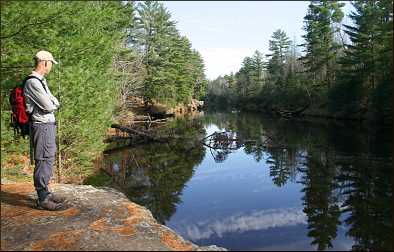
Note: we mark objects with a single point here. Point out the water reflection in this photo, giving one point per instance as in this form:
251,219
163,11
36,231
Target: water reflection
241,223
154,175
330,185
368,190
320,198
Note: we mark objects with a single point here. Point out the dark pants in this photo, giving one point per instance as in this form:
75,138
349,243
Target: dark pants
44,143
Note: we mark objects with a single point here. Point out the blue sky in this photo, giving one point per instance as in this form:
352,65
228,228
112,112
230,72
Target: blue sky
225,32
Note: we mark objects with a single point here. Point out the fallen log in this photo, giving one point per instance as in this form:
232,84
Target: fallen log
139,133
154,121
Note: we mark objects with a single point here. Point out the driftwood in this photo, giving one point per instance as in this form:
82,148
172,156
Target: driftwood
142,117
141,133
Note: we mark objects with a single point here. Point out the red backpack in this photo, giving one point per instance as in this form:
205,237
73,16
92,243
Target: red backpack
19,117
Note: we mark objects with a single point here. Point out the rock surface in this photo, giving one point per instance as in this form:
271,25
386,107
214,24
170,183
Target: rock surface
96,219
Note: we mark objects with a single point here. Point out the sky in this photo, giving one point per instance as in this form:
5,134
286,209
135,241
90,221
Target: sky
225,32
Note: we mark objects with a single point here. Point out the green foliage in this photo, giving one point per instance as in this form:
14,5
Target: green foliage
347,80
320,47
85,50
368,58
250,76
89,39
175,72
382,98
99,179
345,96
278,46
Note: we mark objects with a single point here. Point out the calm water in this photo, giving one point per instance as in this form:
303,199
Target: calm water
282,185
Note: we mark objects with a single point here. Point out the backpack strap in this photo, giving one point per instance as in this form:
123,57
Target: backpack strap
34,77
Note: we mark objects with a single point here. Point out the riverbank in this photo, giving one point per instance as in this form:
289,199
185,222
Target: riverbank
366,118
135,112
96,219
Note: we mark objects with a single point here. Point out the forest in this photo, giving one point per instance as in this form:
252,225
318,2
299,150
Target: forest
108,51
342,71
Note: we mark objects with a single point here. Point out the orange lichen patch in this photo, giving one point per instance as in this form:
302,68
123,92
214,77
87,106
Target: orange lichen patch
99,225
8,211
25,214
136,213
102,225
60,241
38,245
66,213
124,230
71,212
174,242
135,216
132,221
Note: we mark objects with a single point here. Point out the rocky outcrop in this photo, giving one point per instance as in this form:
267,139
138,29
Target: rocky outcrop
95,219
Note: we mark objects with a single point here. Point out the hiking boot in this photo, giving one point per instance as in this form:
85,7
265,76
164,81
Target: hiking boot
49,205
55,198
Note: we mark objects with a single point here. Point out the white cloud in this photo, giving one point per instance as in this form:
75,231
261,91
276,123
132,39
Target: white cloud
221,61
258,220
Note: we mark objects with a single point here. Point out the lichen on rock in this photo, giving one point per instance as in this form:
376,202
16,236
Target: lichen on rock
95,219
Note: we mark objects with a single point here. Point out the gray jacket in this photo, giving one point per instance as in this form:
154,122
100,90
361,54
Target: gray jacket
39,101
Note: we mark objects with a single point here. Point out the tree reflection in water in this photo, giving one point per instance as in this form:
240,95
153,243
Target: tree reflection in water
368,190
155,174
339,170
320,200
343,170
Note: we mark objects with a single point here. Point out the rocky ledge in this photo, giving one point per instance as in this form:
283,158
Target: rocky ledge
96,219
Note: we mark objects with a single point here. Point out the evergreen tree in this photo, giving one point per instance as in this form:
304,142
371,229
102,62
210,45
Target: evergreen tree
250,78
320,47
152,35
367,67
85,50
278,46
175,73
198,75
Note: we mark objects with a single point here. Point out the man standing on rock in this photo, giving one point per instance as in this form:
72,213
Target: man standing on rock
41,105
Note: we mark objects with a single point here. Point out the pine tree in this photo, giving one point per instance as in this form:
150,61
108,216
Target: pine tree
175,73
152,36
257,75
85,50
279,46
320,47
368,64
250,77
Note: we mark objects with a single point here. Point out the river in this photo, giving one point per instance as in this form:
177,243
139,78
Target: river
281,185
